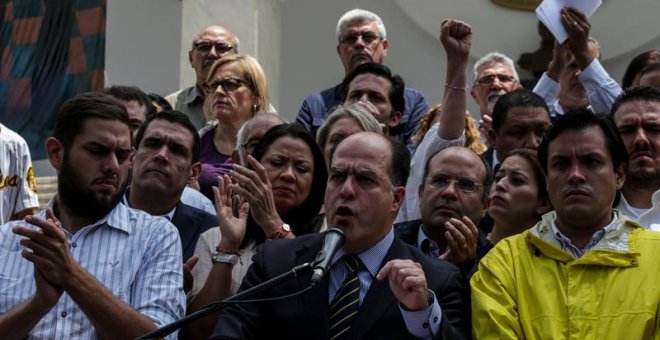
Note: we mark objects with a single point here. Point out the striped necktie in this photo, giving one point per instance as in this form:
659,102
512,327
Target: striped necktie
346,302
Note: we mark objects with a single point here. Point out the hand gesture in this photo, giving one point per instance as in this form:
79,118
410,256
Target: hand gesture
407,282
232,227
577,27
461,236
560,58
255,187
49,250
456,38
486,130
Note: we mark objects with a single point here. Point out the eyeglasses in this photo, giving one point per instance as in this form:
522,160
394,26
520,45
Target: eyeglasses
351,38
249,146
206,46
463,184
488,80
228,85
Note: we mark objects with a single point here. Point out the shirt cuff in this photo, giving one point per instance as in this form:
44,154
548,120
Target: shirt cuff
425,323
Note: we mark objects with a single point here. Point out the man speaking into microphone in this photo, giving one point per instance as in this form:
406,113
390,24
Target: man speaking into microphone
376,286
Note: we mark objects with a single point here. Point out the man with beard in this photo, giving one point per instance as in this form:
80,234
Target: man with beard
494,76
575,77
637,116
361,38
88,266
209,45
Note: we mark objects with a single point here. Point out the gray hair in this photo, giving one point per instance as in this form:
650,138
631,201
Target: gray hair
197,35
360,14
494,57
358,111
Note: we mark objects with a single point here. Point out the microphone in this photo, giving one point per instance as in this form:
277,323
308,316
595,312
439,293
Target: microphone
333,240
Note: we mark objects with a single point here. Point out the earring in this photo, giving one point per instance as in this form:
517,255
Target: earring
254,108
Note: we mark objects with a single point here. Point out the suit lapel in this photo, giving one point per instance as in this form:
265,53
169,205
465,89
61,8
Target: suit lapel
379,298
315,301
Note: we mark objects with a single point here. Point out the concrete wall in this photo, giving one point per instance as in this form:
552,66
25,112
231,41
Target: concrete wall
148,40
309,61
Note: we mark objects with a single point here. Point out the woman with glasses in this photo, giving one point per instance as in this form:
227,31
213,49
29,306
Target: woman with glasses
518,197
278,196
236,90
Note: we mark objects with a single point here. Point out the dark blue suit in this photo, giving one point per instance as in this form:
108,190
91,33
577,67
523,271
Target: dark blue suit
191,222
306,316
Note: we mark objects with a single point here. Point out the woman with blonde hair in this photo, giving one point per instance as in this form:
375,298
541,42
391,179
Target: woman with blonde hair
472,135
236,90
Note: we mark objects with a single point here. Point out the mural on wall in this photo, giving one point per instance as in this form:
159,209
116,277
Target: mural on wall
51,51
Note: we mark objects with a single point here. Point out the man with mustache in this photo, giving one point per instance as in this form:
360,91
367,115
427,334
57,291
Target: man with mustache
637,116
494,76
120,268
208,45
361,38
575,78
585,269
166,159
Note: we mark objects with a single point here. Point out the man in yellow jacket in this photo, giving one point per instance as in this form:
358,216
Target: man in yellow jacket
584,271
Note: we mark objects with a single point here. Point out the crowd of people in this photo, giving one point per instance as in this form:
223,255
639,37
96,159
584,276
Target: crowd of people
537,220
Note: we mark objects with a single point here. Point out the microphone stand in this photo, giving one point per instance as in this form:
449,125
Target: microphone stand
216,306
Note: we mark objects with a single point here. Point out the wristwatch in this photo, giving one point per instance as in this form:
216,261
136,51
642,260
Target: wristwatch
281,232
224,258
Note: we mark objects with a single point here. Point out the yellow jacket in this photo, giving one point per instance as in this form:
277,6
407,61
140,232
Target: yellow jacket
528,288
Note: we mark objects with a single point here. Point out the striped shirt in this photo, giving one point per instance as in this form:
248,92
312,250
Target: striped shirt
136,256
18,188
568,246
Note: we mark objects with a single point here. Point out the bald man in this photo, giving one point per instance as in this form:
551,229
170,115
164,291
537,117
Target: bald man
208,45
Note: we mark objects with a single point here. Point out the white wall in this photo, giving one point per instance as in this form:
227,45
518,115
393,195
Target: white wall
309,61
142,44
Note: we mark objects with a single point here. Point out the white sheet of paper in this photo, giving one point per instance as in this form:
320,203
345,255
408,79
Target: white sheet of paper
549,13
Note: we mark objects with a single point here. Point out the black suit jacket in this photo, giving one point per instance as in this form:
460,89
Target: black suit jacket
306,316
191,222
409,231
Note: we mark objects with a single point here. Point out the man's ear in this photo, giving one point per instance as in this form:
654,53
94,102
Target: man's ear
620,173
54,152
399,195
190,57
195,170
386,45
472,93
395,119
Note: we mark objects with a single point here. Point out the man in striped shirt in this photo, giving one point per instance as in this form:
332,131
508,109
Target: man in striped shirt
88,266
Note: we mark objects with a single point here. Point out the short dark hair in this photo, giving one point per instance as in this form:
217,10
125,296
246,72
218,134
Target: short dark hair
637,93
175,117
397,89
400,162
162,102
72,114
301,217
580,119
516,98
637,64
132,93
488,179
